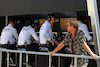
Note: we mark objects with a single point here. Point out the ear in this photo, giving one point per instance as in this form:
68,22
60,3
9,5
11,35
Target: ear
72,26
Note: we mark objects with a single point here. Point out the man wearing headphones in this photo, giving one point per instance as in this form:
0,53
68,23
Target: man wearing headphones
26,32
9,34
45,32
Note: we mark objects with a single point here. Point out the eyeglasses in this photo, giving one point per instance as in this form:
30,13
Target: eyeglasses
67,25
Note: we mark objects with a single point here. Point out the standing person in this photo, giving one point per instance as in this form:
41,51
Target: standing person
9,34
25,34
77,43
45,32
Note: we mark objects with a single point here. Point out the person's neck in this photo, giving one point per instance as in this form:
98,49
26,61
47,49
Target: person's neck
49,22
73,31
11,24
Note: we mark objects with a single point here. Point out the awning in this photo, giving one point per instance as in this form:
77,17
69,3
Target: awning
22,7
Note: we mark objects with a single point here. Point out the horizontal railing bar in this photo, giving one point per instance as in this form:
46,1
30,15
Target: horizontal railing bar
46,53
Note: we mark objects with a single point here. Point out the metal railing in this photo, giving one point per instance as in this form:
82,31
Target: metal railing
41,53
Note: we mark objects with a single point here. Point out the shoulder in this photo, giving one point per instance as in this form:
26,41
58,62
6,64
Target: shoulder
46,25
13,28
82,25
31,28
79,32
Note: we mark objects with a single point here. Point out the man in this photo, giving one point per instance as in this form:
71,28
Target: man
9,34
25,34
83,27
45,32
77,43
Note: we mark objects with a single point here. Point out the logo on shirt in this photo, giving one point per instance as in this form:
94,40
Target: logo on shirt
25,29
6,29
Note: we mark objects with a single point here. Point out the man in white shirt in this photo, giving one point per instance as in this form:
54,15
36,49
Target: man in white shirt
83,27
9,34
25,34
45,32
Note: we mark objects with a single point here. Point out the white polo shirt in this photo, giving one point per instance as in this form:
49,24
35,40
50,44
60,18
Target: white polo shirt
9,34
25,35
45,33
83,27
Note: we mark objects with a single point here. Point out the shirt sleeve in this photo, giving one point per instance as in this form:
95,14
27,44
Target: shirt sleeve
66,40
15,33
34,35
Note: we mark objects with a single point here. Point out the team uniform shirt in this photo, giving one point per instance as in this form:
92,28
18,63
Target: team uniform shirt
45,33
83,27
9,34
25,35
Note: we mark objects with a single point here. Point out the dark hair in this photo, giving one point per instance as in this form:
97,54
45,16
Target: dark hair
34,24
49,16
11,21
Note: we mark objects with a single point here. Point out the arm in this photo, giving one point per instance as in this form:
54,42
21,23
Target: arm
34,35
59,47
15,34
56,42
91,40
85,46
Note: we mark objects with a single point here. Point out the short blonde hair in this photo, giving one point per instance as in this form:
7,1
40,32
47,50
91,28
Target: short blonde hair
73,22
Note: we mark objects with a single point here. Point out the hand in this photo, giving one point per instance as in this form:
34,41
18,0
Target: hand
52,42
94,56
51,53
56,42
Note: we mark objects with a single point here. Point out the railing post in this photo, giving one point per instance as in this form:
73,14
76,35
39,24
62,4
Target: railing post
0,58
75,61
35,60
58,61
20,60
50,59
27,59
7,59
16,58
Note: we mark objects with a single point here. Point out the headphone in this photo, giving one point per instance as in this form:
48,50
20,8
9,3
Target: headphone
49,17
34,24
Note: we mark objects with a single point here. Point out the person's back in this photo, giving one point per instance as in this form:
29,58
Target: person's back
46,27
8,34
83,27
25,35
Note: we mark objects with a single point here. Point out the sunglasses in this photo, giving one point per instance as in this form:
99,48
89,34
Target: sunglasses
67,25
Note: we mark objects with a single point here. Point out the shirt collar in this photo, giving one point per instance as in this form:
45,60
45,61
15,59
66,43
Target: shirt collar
9,25
74,33
48,23
28,26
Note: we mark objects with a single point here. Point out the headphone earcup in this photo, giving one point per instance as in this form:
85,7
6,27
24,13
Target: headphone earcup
49,18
